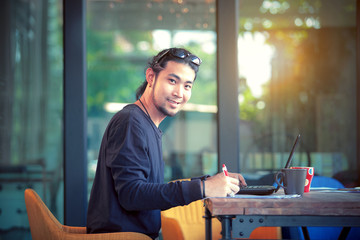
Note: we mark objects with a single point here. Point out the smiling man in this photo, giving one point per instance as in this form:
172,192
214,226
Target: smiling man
129,192
167,91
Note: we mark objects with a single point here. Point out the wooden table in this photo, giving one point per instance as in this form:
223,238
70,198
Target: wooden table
240,216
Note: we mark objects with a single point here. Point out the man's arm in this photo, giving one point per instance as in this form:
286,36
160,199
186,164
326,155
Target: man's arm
137,186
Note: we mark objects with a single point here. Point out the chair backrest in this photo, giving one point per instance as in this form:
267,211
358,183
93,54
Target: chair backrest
322,181
43,224
187,222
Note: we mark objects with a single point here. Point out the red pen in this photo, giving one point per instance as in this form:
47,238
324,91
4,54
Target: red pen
225,170
227,174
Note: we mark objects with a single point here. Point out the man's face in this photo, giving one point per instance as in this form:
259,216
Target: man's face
172,88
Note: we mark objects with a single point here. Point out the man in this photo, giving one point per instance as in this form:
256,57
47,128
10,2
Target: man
129,190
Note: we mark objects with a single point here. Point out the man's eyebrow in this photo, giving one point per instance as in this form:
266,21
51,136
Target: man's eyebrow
178,78
175,76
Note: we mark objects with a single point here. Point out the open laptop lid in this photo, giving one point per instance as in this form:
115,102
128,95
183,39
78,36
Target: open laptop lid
287,165
292,152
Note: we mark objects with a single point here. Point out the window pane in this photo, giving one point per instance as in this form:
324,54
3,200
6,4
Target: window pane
298,76
31,78
121,37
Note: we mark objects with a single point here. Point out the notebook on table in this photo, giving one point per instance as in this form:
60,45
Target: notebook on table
268,189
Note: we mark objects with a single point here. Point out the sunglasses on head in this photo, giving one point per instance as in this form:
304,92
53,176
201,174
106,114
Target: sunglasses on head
180,53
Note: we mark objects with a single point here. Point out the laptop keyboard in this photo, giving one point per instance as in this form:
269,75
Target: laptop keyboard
257,190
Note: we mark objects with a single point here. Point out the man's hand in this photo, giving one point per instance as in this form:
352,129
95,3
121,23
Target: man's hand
240,177
221,185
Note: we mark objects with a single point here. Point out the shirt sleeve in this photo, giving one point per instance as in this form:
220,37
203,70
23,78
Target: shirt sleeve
127,157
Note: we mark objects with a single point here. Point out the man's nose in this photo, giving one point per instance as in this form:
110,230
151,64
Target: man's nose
178,91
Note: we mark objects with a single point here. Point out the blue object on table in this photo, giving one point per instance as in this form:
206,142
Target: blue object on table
323,233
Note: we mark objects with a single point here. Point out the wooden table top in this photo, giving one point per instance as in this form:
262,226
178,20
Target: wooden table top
319,203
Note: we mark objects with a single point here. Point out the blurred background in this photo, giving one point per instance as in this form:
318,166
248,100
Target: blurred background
296,75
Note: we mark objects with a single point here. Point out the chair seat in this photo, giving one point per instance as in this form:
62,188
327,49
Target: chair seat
44,225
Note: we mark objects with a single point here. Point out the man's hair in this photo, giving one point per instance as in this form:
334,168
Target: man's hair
159,62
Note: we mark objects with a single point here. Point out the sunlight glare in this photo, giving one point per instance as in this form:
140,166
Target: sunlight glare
255,61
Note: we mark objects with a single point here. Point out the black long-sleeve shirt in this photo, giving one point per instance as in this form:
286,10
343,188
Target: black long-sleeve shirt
129,192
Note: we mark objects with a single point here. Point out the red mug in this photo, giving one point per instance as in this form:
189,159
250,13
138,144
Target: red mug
309,177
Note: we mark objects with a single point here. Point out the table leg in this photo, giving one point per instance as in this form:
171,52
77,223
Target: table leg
226,227
208,227
344,233
305,233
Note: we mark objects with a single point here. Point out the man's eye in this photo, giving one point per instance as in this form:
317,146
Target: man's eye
172,81
188,86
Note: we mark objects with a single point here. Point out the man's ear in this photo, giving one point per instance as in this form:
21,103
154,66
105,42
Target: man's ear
150,76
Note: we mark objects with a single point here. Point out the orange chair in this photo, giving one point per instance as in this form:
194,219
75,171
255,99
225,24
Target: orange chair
187,223
266,233
44,225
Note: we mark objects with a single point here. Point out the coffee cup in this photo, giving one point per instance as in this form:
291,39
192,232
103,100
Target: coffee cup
309,176
293,180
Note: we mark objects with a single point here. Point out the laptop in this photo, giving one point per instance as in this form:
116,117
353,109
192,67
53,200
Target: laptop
268,189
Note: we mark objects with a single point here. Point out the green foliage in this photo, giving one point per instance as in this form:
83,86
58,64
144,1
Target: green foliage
248,106
112,74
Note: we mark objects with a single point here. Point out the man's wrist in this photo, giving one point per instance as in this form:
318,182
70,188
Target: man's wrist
203,188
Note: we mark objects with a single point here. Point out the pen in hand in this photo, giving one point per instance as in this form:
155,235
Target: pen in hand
225,170
227,174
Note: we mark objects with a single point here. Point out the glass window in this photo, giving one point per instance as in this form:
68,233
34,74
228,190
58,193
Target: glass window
121,37
297,75
31,78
